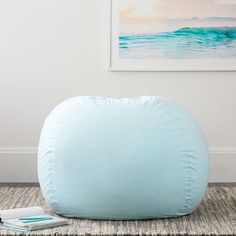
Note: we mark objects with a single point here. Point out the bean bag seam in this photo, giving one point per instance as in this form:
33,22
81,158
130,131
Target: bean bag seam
188,161
51,191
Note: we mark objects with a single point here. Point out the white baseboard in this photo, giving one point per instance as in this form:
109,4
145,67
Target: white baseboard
223,164
19,164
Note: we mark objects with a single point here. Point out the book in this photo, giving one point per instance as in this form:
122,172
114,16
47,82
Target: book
28,219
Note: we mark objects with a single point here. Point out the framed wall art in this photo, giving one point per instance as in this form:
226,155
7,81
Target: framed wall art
173,35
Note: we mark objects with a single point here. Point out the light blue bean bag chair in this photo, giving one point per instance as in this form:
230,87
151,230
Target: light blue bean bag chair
129,158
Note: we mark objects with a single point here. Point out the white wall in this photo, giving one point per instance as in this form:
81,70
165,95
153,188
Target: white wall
51,50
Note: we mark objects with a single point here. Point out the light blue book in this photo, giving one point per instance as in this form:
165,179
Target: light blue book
28,219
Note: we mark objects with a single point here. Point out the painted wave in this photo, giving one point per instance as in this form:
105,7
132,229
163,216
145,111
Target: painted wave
185,43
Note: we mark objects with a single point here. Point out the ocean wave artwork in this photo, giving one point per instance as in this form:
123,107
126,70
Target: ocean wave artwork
177,29
185,43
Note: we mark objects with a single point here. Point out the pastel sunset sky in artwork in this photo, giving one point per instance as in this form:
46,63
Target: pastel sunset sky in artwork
175,9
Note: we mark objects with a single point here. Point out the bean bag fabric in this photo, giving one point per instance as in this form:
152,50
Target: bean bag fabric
129,158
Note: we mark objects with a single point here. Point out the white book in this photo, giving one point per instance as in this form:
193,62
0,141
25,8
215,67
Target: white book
27,219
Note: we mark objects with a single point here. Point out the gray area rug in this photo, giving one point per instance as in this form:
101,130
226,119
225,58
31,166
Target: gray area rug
215,216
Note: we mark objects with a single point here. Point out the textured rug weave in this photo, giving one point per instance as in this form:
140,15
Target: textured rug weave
215,216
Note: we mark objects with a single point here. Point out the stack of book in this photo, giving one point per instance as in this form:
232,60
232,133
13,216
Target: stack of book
27,219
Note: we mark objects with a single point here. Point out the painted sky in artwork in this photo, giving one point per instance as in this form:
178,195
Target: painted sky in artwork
175,9
146,16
